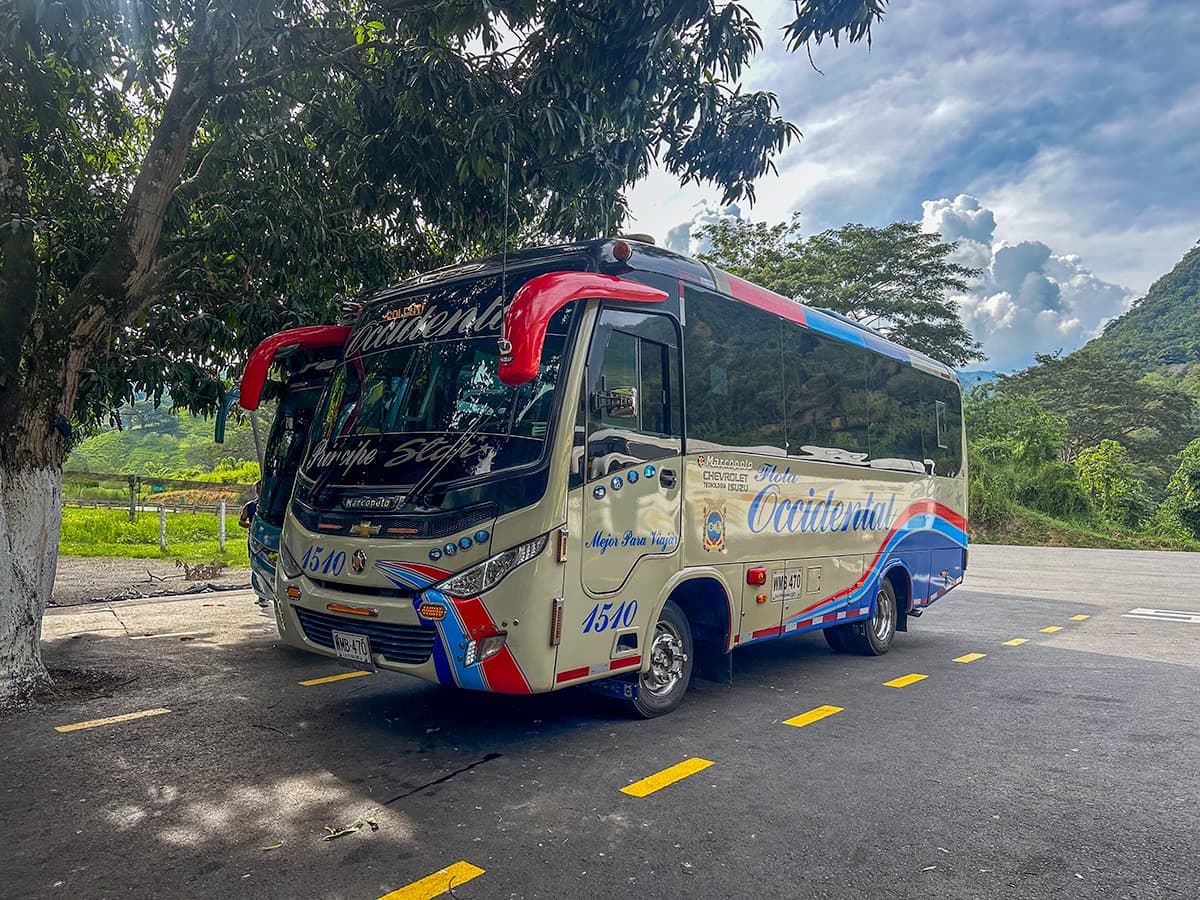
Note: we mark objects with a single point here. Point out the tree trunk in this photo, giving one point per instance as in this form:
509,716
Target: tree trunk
30,520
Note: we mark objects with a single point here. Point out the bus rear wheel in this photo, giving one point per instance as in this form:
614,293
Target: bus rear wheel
837,636
662,686
874,636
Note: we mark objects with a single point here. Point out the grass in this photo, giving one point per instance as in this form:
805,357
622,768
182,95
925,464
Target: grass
1029,528
191,537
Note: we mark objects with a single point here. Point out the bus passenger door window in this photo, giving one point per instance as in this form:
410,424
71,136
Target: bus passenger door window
632,403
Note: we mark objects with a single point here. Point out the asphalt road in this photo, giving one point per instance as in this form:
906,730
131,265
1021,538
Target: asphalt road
1064,766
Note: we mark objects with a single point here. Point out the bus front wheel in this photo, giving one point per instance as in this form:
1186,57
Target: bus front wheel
662,686
873,636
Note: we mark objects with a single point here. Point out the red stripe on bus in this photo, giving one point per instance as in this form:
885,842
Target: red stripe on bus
765,632
766,300
571,674
504,675
625,663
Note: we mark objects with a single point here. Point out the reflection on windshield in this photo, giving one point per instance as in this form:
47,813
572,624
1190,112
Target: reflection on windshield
283,452
392,414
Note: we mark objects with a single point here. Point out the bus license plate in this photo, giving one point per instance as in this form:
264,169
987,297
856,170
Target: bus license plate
353,650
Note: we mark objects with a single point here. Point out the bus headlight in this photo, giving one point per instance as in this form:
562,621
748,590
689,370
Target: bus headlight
484,576
287,563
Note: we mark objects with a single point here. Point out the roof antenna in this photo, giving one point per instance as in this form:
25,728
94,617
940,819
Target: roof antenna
505,346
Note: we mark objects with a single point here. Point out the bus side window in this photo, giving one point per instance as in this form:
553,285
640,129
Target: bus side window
632,395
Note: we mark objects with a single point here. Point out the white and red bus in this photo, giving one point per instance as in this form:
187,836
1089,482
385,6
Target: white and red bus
605,462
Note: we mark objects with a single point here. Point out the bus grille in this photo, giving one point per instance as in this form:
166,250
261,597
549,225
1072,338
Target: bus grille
409,644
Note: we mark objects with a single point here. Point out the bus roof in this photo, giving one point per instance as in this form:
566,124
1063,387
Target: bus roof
598,254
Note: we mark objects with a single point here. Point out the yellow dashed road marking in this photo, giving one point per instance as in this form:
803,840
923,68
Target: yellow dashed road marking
1050,629
813,715
669,776
111,720
969,657
905,680
1016,642
330,678
436,884
1079,618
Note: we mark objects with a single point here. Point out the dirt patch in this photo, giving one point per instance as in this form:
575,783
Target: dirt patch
86,579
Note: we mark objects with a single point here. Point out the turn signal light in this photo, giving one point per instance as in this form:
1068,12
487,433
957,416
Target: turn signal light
761,598
293,592
757,575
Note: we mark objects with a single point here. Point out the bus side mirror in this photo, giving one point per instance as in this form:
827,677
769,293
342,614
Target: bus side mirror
223,415
616,404
537,301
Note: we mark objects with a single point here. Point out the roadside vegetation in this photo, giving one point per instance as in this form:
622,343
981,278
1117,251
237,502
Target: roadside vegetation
191,537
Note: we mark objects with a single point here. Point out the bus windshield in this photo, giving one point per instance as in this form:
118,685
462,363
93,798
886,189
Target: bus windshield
284,450
419,387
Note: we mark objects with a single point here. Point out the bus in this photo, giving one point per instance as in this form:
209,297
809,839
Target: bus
608,463
290,368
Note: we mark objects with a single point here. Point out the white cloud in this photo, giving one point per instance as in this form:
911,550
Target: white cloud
1029,299
1077,120
686,237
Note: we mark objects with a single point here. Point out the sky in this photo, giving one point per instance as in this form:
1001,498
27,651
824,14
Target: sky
1057,140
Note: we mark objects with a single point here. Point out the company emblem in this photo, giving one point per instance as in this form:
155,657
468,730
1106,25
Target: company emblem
714,528
368,503
364,529
358,562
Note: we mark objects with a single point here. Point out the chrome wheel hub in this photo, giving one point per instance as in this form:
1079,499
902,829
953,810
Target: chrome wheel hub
667,658
883,621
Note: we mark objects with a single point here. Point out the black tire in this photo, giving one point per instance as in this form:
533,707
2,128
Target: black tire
874,636
837,637
662,686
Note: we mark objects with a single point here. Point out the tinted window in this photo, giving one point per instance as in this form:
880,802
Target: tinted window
827,414
897,414
733,362
942,424
632,397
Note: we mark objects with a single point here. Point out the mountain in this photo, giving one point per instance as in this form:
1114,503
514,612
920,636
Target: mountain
1162,331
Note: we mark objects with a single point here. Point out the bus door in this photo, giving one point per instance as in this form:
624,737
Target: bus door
633,473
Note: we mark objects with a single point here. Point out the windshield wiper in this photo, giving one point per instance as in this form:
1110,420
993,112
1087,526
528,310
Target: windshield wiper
427,479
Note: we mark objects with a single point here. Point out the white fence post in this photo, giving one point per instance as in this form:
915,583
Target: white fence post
221,525
162,530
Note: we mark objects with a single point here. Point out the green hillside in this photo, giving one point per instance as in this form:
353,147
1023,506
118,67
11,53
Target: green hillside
159,442
1162,331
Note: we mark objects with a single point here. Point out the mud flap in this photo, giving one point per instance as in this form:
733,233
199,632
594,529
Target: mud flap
713,663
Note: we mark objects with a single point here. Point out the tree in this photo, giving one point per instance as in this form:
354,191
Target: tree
1184,489
178,179
1101,398
1111,480
897,279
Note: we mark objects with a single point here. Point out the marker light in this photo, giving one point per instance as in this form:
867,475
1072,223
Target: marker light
761,598
351,610
556,620
757,575
293,592
622,252
562,544
432,611
484,576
